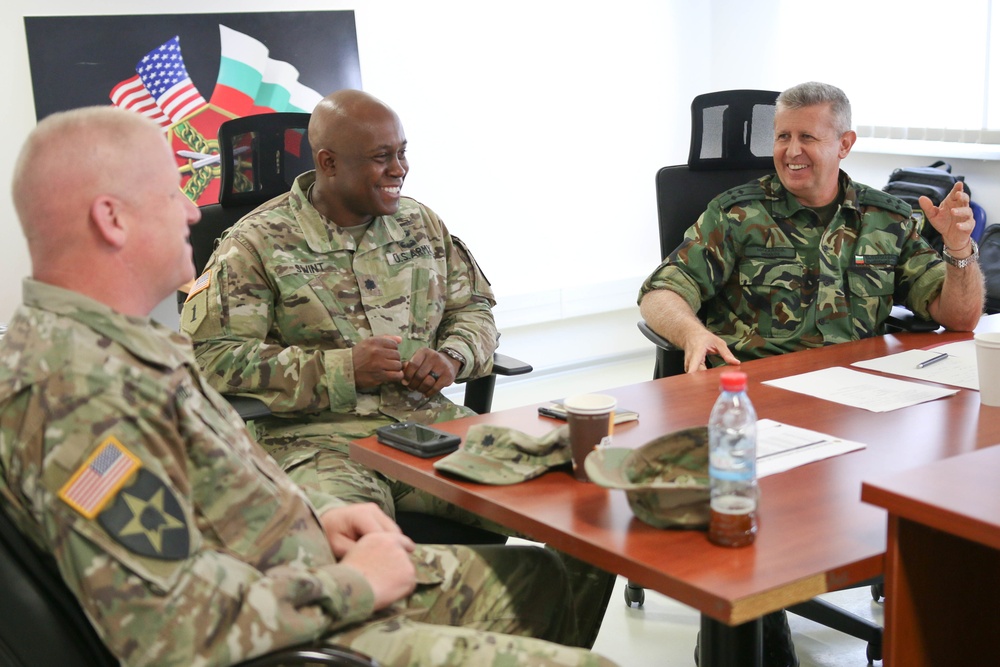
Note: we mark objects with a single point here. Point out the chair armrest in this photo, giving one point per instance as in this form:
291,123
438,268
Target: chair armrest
504,365
479,391
248,407
314,654
655,338
902,319
669,357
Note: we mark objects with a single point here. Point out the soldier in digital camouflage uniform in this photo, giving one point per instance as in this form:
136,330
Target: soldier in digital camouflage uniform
180,537
345,307
342,327
808,257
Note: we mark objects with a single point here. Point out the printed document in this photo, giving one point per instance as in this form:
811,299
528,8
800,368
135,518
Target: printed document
958,369
861,390
782,447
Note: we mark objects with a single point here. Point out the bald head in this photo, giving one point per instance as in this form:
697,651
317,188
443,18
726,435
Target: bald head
340,116
359,150
97,192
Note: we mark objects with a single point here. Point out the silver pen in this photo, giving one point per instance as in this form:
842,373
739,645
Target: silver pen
933,360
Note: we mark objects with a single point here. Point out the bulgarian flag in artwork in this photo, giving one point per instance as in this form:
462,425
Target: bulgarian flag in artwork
250,82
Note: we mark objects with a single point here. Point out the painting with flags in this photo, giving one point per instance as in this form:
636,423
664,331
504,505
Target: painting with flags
162,66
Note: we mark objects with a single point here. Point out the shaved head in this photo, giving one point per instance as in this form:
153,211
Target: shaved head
359,149
97,192
70,158
342,115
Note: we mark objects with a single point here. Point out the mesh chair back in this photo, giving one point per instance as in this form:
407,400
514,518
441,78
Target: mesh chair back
732,136
732,129
260,156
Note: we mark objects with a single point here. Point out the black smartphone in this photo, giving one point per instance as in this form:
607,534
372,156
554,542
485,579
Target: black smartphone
417,439
556,410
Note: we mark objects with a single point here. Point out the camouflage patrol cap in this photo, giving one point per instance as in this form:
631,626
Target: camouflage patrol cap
500,455
665,480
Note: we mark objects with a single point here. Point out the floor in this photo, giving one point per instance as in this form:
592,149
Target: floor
662,632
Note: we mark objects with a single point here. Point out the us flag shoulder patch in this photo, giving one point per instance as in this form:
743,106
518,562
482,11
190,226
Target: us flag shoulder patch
202,283
99,478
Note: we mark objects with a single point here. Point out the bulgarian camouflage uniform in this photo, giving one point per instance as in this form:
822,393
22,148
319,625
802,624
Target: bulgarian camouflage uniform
286,296
183,541
767,276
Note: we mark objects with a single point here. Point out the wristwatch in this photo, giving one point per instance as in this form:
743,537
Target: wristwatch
962,263
456,356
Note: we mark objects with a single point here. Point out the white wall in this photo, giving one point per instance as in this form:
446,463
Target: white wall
536,120
535,130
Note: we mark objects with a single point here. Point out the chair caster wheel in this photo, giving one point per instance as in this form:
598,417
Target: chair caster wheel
635,596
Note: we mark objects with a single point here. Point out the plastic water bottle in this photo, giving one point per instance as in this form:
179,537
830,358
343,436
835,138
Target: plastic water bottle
732,464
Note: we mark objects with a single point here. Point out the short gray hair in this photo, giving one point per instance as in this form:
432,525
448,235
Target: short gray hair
813,93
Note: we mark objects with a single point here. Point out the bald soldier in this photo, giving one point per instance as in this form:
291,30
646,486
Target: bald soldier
346,306
179,536
343,305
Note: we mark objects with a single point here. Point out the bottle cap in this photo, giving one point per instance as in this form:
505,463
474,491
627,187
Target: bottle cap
733,381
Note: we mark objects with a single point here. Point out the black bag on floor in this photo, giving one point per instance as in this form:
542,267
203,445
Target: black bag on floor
989,263
933,182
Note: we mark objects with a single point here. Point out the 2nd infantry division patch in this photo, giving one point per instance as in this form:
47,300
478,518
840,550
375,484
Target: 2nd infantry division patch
147,520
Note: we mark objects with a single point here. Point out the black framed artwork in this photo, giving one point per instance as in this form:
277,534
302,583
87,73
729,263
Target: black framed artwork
191,72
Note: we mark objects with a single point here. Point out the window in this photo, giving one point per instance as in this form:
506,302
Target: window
923,69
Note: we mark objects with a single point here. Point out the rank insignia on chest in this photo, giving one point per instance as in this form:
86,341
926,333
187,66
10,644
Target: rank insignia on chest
96,481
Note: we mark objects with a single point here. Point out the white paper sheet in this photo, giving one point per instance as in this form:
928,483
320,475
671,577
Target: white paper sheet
861,390
958,370
782,447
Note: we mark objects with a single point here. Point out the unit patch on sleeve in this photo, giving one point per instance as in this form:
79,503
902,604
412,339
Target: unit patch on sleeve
96,481
147,520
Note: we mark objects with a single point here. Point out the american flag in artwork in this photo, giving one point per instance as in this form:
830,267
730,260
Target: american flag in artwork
161,88
99,478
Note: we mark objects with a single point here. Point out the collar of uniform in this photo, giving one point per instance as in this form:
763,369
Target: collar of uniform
316,228
143,337
786,205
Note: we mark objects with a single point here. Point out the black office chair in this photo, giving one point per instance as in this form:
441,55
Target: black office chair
260,157
732,136
43,624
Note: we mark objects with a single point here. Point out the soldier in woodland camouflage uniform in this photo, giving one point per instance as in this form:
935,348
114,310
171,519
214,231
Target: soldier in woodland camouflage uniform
345,307
805,258
808,257
180,537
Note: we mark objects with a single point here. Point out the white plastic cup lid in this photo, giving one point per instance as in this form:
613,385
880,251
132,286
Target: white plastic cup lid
987,339
590,404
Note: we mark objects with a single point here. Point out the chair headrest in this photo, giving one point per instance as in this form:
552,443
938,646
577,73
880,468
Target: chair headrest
261,155
732,129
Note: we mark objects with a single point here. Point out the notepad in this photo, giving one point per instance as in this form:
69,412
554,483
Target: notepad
958,370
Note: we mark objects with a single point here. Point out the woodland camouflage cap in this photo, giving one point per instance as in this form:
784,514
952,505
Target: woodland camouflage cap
665,480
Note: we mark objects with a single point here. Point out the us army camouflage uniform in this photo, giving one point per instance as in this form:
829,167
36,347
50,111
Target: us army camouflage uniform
184,542
287,294
769,277
285,297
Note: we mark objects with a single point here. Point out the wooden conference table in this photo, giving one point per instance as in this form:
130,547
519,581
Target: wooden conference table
815,533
